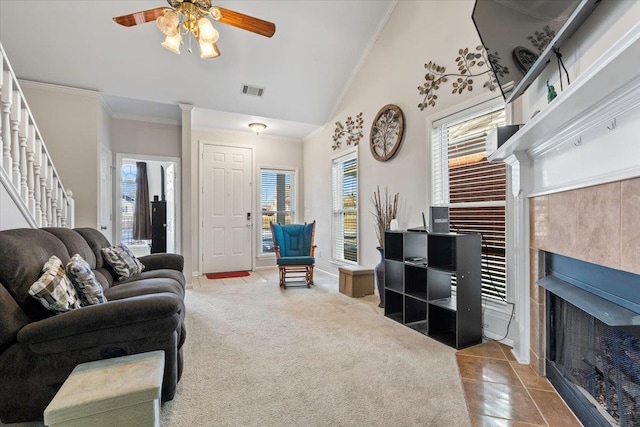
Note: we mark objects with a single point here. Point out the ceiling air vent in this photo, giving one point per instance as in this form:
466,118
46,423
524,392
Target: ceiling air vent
252,90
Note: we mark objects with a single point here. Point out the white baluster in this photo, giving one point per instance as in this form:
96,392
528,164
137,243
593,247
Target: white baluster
58,204
71,213
47,192
16,114
37,189
50,207
44,176
65,211
31,178
23,132
6,100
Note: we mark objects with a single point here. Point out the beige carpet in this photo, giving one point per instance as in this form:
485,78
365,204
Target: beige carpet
259,356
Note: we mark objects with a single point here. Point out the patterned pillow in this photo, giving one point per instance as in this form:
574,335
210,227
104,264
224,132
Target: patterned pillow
53,289
88,288
122,260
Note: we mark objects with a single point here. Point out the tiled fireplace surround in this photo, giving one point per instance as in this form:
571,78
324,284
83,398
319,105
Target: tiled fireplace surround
598,224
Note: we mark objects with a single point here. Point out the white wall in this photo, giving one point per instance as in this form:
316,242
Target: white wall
138,137
10,215
68,121
269,152
415,33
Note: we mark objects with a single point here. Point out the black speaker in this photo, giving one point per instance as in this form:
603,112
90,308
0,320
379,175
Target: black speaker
158,226
439,219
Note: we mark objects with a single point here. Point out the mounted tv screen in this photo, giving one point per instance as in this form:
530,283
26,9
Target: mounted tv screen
521,36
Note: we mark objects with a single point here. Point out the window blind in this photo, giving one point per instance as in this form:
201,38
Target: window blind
276,203
474,189
345,208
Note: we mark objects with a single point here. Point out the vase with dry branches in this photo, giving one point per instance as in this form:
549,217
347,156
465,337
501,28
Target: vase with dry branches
385,210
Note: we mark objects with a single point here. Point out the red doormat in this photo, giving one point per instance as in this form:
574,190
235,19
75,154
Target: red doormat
227,274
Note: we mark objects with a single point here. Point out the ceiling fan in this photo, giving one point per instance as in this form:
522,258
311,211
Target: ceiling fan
190,16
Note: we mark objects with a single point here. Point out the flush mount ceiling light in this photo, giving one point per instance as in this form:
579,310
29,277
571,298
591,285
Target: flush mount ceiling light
257,127
191,17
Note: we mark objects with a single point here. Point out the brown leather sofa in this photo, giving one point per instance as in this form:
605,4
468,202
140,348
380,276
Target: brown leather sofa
39,349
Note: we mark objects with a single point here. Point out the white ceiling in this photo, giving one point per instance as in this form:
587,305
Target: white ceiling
304,68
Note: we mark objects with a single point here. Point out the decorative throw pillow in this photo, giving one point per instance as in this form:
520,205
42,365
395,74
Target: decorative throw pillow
122,260
53,289
87,286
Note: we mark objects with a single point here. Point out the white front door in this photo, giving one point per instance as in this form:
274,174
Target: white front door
226,208
105,196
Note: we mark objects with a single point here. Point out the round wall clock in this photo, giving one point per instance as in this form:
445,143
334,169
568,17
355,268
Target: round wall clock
387,131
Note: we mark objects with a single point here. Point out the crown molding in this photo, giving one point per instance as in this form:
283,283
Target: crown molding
245,133
60,89
314,133
147,119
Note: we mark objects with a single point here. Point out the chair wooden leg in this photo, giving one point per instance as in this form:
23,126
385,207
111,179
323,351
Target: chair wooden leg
282,277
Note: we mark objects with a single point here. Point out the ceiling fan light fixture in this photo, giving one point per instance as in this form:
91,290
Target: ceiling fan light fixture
168,23
208,50
257,127
172,43
206,32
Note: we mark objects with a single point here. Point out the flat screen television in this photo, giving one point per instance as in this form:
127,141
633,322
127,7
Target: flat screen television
521,36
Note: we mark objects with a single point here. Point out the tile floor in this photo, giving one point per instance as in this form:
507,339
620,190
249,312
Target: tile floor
502,393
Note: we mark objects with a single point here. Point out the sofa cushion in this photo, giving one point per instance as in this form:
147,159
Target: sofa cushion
23,252
87,286
122,260
74,243
54,289
143,287
96,241
12,319
162,273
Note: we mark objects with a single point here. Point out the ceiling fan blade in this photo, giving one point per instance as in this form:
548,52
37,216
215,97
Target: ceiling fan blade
246,22
139,17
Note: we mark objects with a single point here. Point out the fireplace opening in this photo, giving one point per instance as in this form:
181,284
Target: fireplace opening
601,361
593,343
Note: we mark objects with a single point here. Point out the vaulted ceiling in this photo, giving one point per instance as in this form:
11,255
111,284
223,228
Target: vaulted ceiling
304,68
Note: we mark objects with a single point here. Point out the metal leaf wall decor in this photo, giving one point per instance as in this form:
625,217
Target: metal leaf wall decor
352,129
469,66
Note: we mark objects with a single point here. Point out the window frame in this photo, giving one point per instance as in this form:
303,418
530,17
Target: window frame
439,190
339,159
293,204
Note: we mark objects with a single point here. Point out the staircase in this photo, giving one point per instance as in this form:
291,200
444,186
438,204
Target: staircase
31,192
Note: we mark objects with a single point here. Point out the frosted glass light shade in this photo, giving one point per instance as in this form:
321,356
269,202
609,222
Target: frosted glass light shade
206,32
172,43
208,50
257,127
168,23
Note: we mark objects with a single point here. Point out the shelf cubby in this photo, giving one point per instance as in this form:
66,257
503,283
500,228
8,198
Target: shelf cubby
393,245
393,305
414,310
394,275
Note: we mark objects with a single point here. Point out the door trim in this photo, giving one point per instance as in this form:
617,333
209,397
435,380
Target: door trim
178,187
200,189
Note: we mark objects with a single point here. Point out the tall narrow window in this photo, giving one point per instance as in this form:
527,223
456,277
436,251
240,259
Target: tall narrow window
473,188
345,208
128,201
276,203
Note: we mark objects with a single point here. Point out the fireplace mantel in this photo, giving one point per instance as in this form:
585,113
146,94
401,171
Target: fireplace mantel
607,89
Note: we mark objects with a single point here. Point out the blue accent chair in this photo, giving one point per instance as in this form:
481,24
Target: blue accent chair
294,251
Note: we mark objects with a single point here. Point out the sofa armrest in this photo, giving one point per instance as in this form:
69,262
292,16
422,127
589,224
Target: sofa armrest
159,261
112,322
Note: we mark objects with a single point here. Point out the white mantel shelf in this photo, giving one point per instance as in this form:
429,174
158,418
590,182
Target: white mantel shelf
609,87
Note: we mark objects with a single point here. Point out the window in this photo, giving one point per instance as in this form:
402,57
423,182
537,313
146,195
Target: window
473,188
345,208
128,201
276,203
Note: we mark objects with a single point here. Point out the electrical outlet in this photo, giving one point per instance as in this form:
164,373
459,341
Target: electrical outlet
485,325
